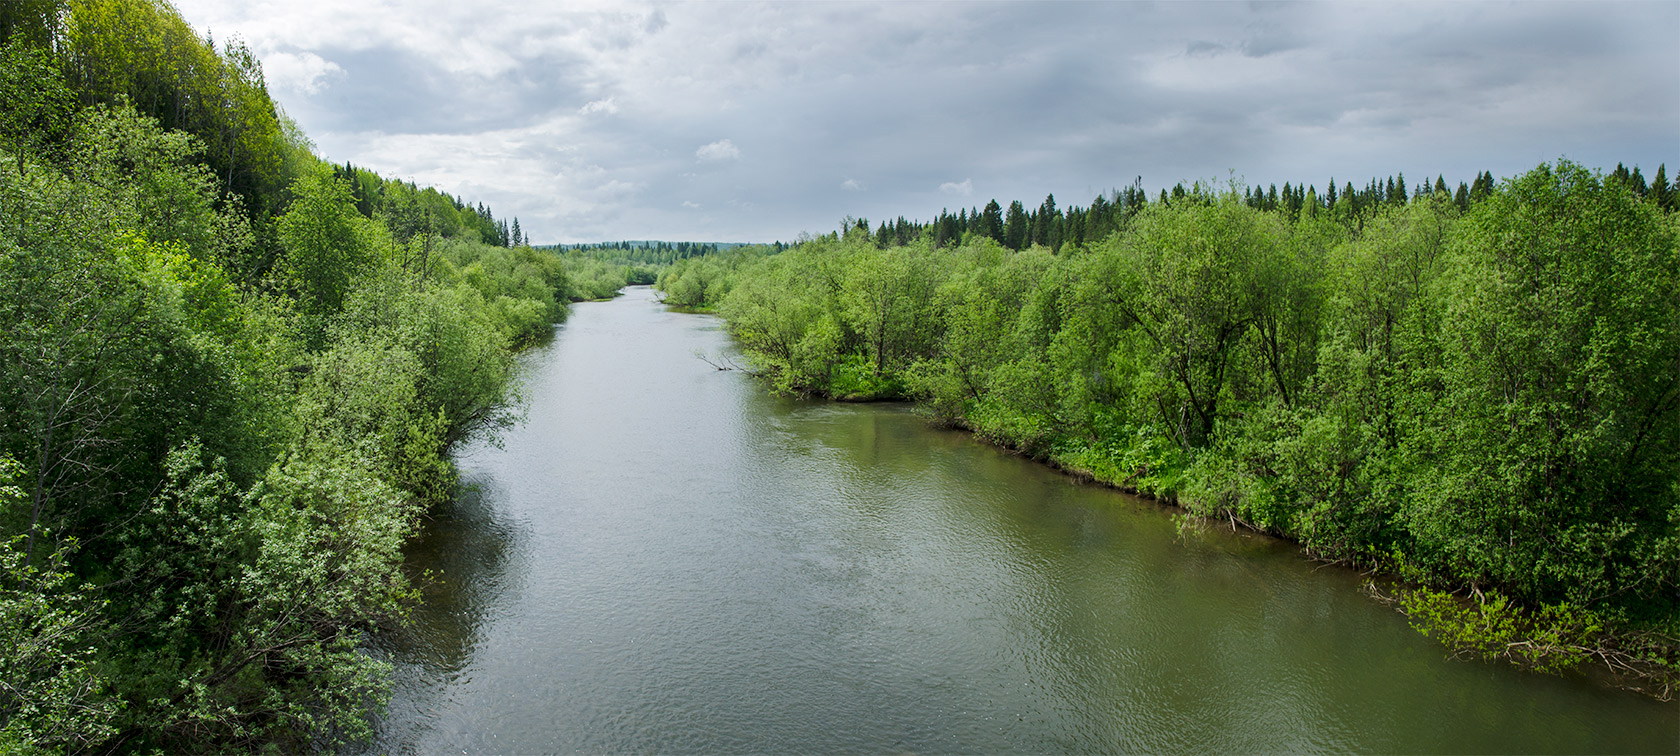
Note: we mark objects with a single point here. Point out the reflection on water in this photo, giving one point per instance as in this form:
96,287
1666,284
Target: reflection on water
459,562
462,555
666,559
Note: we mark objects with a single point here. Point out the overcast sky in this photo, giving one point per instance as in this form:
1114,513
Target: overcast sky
753,122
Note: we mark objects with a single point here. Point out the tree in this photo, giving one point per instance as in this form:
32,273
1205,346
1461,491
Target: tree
324,249
887,299
1166,310
991,222
1047,218
31,22
35,104
54,698
1559,395
1015,226
1661,193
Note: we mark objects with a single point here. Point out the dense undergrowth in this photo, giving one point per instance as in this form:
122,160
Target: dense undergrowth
1481,398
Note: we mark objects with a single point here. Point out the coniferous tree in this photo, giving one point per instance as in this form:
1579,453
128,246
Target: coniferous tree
1620,174
1482,187
1044,220
991,222
1661,193
1015,226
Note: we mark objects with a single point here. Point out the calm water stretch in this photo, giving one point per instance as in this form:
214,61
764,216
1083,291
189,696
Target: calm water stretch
666,559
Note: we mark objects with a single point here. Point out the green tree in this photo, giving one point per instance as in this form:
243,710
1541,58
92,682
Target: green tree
54,699
1559,402
1167,309
324,248
888,300
35,103
1016,227
991,222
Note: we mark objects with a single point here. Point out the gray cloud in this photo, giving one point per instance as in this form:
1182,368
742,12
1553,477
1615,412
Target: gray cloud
607,122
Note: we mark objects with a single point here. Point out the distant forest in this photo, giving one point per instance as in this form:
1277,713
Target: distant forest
643,253
1049,226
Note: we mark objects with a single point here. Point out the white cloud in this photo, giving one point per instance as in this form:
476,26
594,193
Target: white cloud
691,205
852,185
305,73
718,151
963,189
600,106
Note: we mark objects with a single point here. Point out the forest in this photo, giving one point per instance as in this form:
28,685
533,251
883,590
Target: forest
1475,394
231,376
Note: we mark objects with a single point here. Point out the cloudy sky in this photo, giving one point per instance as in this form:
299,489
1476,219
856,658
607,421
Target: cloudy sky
753,122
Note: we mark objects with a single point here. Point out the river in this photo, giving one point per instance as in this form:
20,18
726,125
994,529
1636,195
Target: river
665,558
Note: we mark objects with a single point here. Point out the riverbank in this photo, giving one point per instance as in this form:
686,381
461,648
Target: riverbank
666,557
1325,375
1468,621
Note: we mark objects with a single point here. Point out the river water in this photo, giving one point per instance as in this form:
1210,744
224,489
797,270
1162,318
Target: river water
664,558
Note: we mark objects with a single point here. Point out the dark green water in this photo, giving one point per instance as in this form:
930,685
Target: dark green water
665,559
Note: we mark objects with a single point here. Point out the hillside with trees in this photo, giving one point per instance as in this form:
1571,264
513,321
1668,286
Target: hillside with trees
231,376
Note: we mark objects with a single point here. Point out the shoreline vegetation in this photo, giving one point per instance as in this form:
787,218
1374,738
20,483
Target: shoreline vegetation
1472,397
231,377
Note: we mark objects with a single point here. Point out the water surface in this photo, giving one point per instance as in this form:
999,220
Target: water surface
666,559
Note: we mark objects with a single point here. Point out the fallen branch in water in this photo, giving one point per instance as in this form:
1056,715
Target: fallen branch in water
723,363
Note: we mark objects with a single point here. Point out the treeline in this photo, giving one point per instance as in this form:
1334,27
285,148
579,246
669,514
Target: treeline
1019,227
230,379
612,265
408,209
1481,397
649,253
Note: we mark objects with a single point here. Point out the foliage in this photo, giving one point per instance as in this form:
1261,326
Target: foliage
1488,383
54,698
227,394
1553,638
35,104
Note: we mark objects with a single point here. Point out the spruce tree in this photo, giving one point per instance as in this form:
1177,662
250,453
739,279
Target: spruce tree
991,221
1015,226
1661,193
